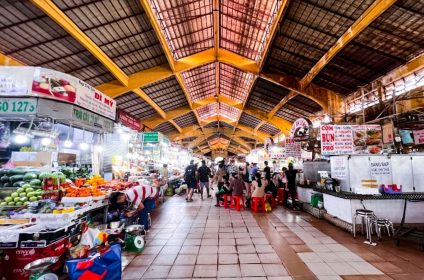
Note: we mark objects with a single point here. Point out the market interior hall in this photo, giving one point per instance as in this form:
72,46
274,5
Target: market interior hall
212,139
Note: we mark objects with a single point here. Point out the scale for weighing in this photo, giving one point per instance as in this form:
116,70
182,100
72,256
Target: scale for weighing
39,269
134,238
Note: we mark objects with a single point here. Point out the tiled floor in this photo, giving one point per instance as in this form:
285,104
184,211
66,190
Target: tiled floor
198,241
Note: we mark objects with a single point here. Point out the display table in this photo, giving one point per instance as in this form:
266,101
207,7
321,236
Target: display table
390,206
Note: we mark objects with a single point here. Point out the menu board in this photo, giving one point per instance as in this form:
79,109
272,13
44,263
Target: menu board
293,148
336,140
351,139
380,166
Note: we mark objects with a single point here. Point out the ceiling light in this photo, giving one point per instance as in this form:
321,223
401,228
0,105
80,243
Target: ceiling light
67,144
21,139
99,148
83,146
46,141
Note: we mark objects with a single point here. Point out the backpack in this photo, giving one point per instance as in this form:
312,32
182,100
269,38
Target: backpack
189,173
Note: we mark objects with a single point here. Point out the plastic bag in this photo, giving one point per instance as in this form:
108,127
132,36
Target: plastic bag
268,207
93,237
104,266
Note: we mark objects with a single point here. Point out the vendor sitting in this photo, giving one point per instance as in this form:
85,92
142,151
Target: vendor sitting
140,198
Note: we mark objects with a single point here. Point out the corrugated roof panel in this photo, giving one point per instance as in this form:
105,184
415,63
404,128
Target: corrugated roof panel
124,32
186,120
249,120
166,93
245,25
208,111
212,125
187,25
234,83
269,128
134,105
201,82
266,95
165,128
229,112
226,125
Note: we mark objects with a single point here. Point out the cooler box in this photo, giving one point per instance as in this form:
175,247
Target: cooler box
12,267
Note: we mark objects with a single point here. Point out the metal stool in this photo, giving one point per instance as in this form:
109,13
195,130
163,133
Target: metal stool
367,219
383,223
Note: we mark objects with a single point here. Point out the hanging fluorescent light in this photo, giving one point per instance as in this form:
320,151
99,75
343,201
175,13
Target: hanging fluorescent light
46,141
99,148
21,139
83,146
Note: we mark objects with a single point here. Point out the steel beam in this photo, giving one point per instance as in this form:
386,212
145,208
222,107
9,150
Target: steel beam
410,67
176,126
146,98
51,10
9,61
365,20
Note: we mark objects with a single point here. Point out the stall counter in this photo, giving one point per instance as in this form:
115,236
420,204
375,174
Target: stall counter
390,206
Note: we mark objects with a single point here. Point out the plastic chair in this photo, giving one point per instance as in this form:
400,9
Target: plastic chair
258,202
270,198
226,197
280,196
237,202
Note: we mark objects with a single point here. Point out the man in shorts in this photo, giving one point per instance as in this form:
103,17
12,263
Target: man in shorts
190,179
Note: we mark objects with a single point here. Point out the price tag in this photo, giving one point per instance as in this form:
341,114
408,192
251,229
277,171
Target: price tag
18,106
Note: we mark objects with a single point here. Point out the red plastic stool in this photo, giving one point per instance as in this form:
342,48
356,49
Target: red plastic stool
258,202
226,196
270,198
237,202
280,196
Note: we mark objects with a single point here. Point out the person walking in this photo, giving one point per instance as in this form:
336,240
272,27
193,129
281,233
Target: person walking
204,175
291,184
190,179
245,173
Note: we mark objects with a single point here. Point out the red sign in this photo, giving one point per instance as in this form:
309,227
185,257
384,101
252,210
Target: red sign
129,121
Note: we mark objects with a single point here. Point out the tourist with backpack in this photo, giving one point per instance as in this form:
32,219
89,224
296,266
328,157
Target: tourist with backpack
190,179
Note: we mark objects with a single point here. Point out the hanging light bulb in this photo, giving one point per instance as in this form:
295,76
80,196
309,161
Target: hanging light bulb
46,141
21,139
67,144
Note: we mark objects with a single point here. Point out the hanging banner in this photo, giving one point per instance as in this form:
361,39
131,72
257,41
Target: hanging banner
129,121
46,83
293,148
351,139
300,129
418,136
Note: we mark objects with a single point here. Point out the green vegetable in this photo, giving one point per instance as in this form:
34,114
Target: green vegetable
44,175
22,194
19,203
3,203
33,198
15,194
16,199
11,203
17,171
29,190
18,184
26,186
8,199
30,176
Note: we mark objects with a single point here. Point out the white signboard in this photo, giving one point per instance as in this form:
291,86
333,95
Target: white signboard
293,148
339,167
46,83
380,166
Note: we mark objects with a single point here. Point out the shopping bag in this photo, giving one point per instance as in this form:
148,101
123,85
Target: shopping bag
101,266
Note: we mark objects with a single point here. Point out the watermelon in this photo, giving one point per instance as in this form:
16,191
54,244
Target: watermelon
35,182
17,171
44,175
30,176
5,179
16,178
18,184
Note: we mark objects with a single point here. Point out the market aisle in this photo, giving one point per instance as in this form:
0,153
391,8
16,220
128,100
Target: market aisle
197,240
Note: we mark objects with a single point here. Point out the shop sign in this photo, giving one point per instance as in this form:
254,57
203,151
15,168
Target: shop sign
151,137
300,129
339,167
293,148
388,137
380,166
18,106
418,136
129,121
336,140
91,119
351,139
46,83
